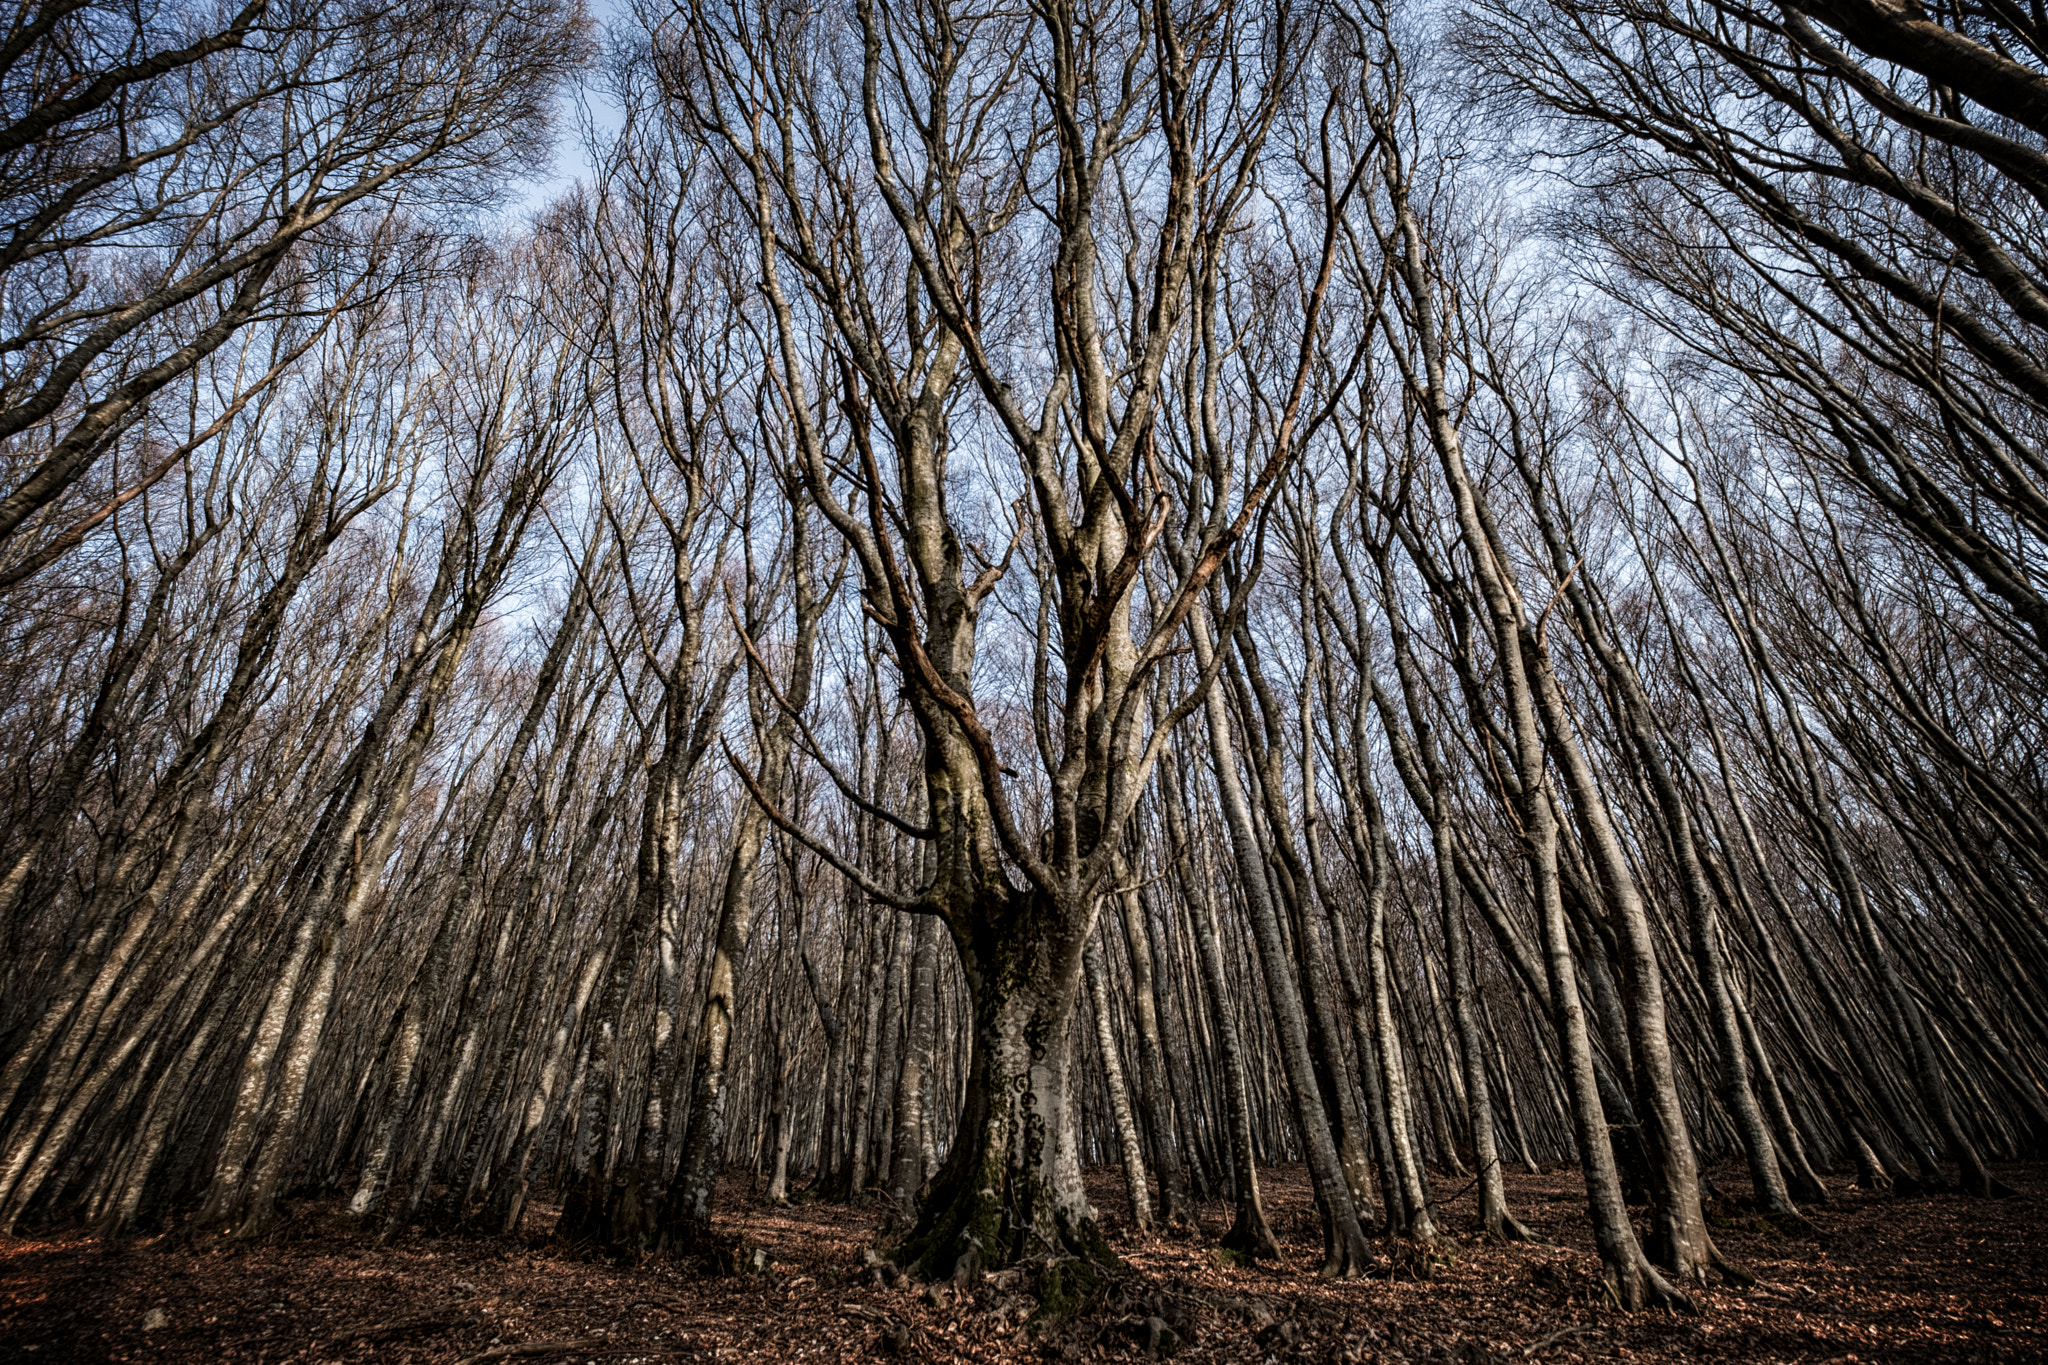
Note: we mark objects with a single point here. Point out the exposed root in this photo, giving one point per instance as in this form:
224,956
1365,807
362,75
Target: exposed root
1988,1187
1731,1272
1641,1286
1065,1288
1508,1228
1418,1258
1661,1293
264,1222
1793,1223
1251,1237
1345,1254
1805,1189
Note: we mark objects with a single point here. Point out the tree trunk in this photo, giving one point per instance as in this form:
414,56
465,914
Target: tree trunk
1345,1252
1155,1094
1250,1235
1011,1187
910,1134
1129,1143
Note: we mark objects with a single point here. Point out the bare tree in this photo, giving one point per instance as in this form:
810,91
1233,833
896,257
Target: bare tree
170,182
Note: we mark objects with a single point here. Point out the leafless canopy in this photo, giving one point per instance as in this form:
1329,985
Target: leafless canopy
1000,586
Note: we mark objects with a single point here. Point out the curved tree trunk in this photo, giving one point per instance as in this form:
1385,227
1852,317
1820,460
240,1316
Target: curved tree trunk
1630,1278
1345,1252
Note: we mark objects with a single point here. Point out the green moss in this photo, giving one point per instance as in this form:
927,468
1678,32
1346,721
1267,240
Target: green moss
933,1247
1089,1243
1064,1288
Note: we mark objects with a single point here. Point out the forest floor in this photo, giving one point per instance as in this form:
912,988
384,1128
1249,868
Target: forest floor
1922,1277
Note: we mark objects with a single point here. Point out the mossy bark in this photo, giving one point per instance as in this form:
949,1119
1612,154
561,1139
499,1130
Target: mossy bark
1010,1189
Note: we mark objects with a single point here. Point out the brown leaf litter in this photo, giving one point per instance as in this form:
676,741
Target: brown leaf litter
1926,1277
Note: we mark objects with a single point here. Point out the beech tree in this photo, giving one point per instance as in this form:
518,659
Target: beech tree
941,103
173,178
998,590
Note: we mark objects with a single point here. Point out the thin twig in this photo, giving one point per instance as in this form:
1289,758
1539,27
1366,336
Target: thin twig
564,1346
1533,1348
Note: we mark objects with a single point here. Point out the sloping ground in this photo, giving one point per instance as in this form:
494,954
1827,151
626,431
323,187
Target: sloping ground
1937,1277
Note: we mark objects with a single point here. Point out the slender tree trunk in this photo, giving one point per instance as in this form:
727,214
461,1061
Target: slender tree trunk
1129,1143
1250,1235
911,1133
1345,1253
1154,1091
1630,1278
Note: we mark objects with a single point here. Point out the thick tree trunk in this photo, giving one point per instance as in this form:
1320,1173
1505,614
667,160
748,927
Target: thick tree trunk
1011,1187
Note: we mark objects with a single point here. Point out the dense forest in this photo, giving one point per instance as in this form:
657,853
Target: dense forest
1411,590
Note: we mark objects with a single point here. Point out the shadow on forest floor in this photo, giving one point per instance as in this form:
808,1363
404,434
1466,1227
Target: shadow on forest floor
1925,1277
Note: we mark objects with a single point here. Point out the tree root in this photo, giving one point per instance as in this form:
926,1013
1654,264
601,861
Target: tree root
1508,1228
1643,1286
1345,1255
1422,1259
1991,1188
1251,1237
1731,1272
1793,1223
